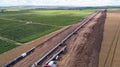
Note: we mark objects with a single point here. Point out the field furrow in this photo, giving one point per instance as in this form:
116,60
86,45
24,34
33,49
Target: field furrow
109,55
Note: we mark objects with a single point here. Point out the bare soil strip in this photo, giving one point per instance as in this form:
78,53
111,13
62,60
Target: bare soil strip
46,24
110,49
12,19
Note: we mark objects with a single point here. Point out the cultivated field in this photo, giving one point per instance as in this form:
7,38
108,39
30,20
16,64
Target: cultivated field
52,17
110,49
25,33
5,46
26,25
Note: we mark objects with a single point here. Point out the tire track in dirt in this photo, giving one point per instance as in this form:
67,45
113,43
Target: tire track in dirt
118,38
109,55
112,45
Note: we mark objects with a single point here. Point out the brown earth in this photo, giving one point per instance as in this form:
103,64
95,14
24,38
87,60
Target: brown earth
110,49
83,47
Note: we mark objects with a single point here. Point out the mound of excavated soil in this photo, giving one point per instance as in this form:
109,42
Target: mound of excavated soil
83,48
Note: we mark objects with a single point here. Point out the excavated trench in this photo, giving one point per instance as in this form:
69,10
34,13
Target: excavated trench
83,47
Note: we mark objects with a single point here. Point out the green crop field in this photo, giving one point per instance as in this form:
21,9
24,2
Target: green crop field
5,46
6,24
26,25
52,17
24,33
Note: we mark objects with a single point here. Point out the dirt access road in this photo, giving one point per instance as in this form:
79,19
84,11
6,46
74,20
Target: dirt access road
110,48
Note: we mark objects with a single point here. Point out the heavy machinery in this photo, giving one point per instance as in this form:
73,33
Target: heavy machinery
51,64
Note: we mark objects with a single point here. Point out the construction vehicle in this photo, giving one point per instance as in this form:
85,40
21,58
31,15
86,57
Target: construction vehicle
51,64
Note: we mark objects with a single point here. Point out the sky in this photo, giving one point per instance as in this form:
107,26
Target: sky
60,2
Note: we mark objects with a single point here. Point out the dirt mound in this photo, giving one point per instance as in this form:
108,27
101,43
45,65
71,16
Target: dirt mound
84,47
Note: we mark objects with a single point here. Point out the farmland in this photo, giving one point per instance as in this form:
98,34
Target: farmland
52,17
110,49
14,26
5,46
27,32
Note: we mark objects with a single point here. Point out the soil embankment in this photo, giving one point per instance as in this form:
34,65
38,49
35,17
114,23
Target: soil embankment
83,48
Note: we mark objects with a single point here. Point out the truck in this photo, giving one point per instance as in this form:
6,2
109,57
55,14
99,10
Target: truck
51,64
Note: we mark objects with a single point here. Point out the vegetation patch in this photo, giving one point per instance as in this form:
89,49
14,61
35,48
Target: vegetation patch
5,46
52,17
5,23
27,32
